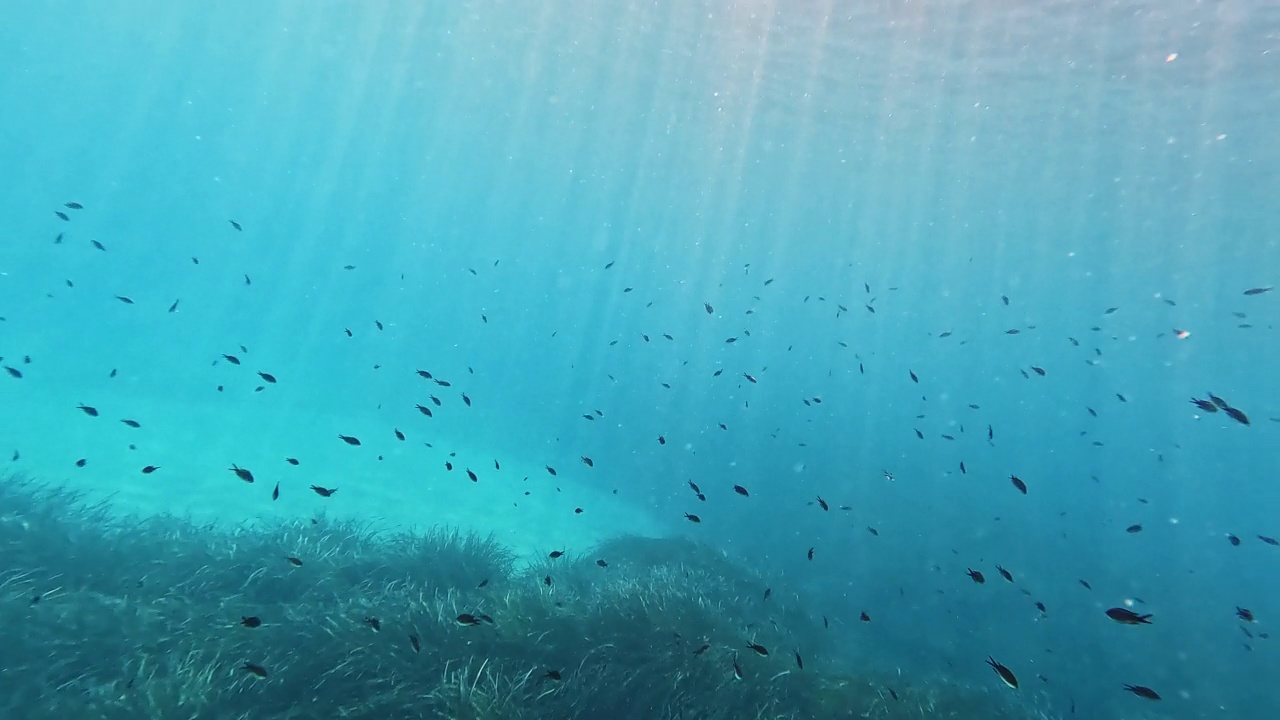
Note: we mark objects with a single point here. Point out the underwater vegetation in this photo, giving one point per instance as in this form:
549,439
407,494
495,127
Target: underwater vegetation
112,617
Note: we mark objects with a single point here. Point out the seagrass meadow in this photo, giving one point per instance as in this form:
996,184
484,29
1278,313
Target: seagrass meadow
110,617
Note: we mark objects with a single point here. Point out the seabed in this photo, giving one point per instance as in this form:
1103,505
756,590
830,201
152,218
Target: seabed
109,616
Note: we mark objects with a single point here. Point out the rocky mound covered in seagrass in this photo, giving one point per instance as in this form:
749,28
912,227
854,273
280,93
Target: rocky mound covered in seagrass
132,618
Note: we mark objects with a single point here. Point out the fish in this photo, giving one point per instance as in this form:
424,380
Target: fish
975,576
1006,675
1004,573
707,306
150,469
268,377
88,410
1017,482
758,649
1237,415
252,621
692,518
275,493
1143,692
254,669
241,473
413,643
350,440
823,503
131,423
587,461
294,561
374,623
1258,290
323,491
741,491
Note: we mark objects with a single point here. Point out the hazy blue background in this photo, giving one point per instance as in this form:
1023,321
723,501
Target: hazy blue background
944,153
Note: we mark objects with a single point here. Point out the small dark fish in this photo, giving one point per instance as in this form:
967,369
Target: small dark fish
823,503
241,473
294,561
125,299
1038,370
88,410
799,660
758,649
914,379
73,206
62,216
707,306
1143,692
291,461
252,621
424,410
975,576
1235,541
550,470
132,423
231,359
552,675
1204,405
150,469
275,492
472,475
323,491
374,623
174,306
255,670
235,225
1005,299
1004,573
741,490
692,518
349,439
602,563
399,435
468,619
13,372
662,439
1258,290
1236,415
811,553
587,461
98,246
1135,528
1244,614
1006,675
1022,487
864,617
268,377
413,643
749,377
1086,584
555,554
1125,616
81,462
466,399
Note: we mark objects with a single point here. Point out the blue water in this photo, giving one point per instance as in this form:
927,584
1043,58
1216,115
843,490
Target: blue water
531,195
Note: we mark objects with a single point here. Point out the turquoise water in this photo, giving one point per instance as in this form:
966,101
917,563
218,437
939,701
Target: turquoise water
530,197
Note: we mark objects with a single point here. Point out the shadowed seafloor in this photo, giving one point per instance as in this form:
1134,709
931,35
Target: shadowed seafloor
116,617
